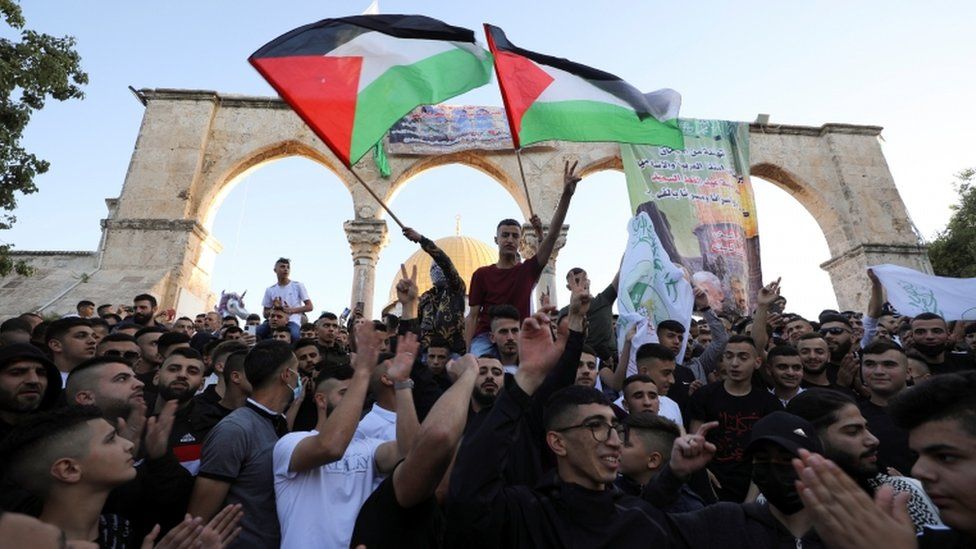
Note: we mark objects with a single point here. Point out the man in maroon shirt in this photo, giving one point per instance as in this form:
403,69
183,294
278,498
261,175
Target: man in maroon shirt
510,281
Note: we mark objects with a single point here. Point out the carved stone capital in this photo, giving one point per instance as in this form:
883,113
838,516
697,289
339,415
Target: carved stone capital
366,238
530,243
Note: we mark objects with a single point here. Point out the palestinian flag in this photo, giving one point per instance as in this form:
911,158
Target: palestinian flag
351,79
552,98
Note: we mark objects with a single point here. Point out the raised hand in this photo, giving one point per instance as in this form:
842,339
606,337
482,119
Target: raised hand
223,528
131,427
406,288
368,342
701,299
768,293
412,235
183,536
847,371
537,227
407,346
692,452
457,368
843,513
538,353
570,177
579,302
158,430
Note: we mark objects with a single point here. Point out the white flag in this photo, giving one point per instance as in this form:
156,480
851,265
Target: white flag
912,292
373,9
652,288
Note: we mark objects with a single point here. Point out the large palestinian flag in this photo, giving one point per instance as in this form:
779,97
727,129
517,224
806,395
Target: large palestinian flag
552,98
352,78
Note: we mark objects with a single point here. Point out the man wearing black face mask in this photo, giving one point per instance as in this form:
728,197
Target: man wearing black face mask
930,336
780,521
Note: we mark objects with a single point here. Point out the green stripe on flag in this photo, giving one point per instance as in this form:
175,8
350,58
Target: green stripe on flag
593,121
402,88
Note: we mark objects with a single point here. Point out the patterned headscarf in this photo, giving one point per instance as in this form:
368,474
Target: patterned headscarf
437,276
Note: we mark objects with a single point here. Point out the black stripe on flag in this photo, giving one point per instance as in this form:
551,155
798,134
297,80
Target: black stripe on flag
607,82
328,34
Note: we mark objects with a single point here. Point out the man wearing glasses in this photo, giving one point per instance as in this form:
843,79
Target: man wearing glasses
120,345
575,505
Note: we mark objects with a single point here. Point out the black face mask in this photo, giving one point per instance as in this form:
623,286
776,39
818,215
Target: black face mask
929,350
777,484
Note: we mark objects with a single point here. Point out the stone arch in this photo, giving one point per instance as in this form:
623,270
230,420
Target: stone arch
193,145
225,180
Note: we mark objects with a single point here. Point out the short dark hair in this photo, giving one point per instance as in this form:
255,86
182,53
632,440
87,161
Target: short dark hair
588,350
233,330
284,260
834,317
102,307
736,338
654,350
503,311
508,221
145,297
234,363
15,324
264,361
84,303
222,350
187,352
563,401
821,407
115,337
341,372
81,377
671,326
781,350
574,271
636,378
281,329
151,330
657,432
112,315
928,316
811,335
380,326
439,342
327,314
61,326
169,339
941,397
307,326
304,342
252,316
30,449
881,346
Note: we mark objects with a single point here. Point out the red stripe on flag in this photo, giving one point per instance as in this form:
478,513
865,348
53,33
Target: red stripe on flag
522,82
322,90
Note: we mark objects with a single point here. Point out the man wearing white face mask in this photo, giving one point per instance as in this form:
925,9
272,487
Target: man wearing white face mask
440,310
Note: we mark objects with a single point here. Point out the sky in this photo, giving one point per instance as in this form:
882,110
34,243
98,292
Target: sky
892,64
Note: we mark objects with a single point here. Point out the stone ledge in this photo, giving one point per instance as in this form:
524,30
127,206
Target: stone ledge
51,253
902,249
814,131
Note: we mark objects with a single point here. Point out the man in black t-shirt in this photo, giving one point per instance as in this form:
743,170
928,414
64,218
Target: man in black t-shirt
737,405
885,370
930,336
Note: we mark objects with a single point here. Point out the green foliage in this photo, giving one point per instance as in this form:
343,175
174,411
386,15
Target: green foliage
32,69
953,252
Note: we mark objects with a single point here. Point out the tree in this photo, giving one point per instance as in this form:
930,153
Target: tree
953,252
36,67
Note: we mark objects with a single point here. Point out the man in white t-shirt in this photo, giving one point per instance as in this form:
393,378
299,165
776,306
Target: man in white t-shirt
323,477
288,294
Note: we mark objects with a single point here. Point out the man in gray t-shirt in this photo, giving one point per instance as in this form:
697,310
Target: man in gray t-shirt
236,464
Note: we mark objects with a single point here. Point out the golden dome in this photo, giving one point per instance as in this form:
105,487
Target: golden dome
467,254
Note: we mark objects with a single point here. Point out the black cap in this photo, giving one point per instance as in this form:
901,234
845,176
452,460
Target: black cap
787,430
834,317
17,351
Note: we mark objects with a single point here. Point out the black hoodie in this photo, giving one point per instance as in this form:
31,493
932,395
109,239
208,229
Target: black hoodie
484,511
26,351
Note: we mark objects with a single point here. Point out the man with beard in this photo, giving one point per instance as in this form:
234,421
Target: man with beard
144,310
848,442
331,350
179,378
491,377
586,371
504,332
310,367
29,383
885,370
121,346
148,340
930,336
814,355
71,341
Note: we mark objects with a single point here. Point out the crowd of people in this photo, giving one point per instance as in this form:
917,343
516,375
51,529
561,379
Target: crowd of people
470,420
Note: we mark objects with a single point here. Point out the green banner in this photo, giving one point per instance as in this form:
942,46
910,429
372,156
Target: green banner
701,203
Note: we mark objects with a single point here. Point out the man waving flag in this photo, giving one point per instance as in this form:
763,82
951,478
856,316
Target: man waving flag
352,78
551,98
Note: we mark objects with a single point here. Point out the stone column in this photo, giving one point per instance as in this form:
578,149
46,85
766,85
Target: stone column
529,247
848,272
366,238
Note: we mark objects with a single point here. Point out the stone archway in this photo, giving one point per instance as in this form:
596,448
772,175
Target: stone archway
193,145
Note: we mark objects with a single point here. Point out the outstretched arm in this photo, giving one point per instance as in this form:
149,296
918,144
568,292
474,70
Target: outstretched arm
570,179
418,476
388,455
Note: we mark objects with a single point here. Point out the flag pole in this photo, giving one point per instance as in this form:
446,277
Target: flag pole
378,199
528,198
